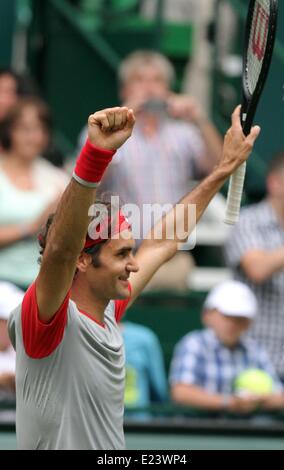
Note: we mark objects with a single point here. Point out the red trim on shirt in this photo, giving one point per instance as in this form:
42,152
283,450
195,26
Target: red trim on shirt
120,305
92,318
41,339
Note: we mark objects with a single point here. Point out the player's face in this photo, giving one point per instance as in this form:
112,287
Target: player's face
117,262
228,329
29,138
146,83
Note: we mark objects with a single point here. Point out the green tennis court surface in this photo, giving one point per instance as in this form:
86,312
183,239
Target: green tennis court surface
184,433
155,441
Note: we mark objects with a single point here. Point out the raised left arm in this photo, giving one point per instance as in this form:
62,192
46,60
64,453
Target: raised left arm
163,240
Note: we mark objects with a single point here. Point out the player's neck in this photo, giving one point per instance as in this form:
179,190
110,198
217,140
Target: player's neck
88,302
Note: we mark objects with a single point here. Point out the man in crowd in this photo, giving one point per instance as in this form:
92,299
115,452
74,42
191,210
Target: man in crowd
255,251
173,143
207,363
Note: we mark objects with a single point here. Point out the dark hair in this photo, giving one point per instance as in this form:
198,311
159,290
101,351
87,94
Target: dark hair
25,85
277,163
8,123
94,251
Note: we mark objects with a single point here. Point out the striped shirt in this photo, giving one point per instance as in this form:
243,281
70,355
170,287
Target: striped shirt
156,169
259,228
201,359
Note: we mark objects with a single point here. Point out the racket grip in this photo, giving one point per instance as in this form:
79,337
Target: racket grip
235,195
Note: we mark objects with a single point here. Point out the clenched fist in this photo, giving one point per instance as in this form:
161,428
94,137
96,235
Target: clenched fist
111,127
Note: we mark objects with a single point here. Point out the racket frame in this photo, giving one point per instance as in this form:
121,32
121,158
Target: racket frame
250,103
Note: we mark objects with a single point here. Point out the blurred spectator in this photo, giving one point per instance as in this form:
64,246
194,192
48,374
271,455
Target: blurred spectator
173,143
10,298
145,372
206,363
255,251
200,14
180,10
14,87
9,91
198,77
29,189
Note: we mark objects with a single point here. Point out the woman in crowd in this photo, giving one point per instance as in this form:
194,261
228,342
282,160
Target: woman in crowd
29,188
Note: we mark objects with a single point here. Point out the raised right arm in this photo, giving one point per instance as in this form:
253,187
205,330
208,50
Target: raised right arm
107,131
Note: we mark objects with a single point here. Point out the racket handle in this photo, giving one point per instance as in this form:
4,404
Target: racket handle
235,195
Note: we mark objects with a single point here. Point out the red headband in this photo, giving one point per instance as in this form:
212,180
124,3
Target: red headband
120,225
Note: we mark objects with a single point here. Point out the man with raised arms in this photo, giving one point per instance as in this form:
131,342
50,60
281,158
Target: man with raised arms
70,358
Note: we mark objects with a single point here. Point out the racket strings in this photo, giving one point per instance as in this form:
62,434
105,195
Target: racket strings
257,43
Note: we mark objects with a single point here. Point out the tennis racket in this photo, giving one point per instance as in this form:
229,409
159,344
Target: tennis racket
260,35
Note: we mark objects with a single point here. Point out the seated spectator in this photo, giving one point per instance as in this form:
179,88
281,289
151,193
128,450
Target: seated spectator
146,381
207,363
10,298
255,252
29,189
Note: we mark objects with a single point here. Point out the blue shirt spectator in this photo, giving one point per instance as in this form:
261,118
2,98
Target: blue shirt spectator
207,363
145,372
200,358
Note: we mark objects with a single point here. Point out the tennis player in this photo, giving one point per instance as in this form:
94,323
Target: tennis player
70,358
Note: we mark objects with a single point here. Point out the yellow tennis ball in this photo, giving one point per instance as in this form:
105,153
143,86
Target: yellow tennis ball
253,382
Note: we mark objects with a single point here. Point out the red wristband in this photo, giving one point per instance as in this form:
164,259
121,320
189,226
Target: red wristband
91,164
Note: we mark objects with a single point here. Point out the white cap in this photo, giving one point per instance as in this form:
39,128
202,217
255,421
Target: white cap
10,298
233,299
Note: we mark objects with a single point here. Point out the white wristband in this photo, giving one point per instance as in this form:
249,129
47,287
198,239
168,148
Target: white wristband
85,183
